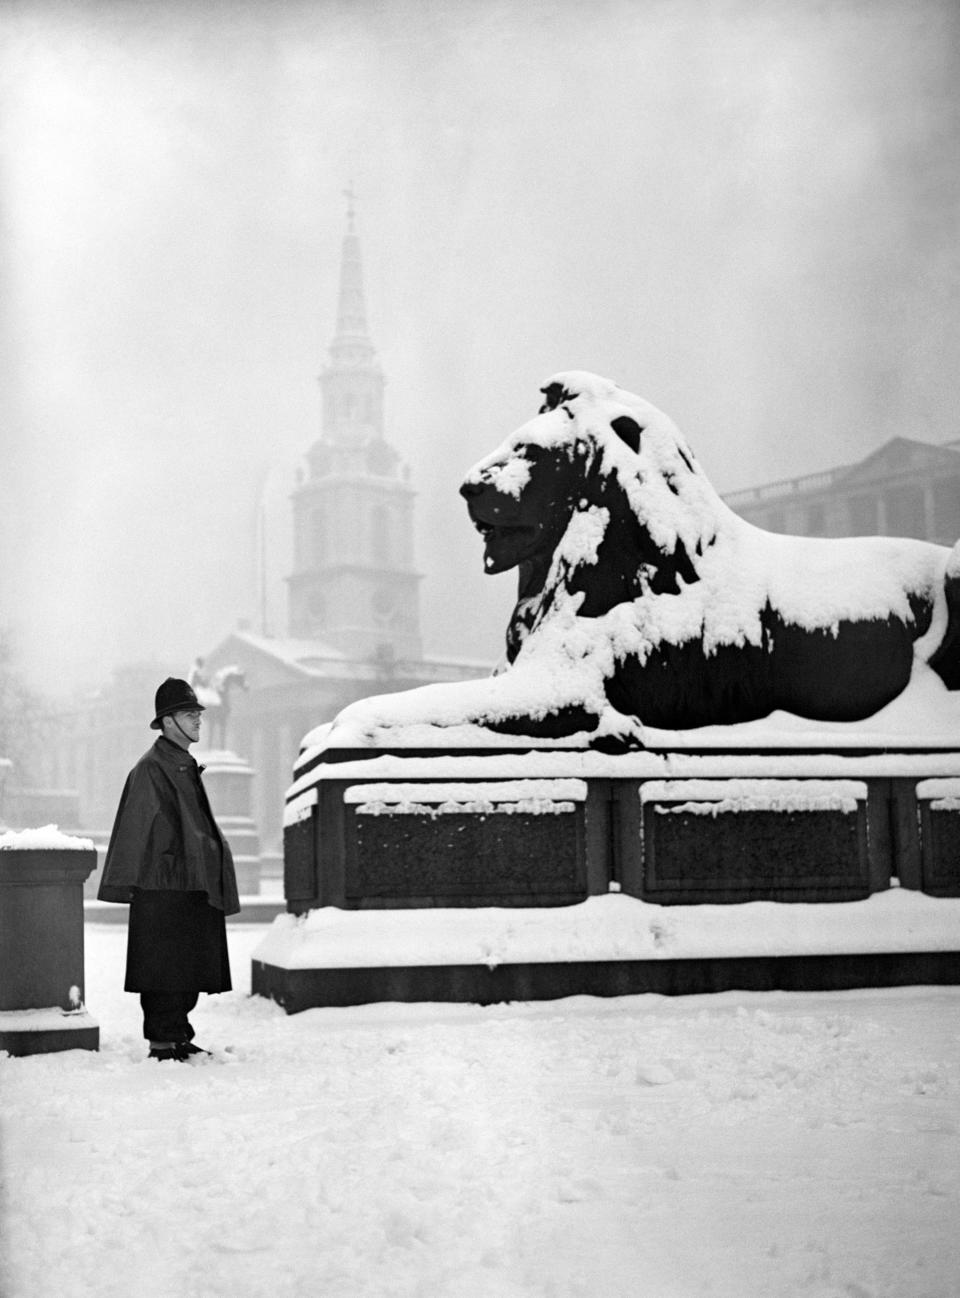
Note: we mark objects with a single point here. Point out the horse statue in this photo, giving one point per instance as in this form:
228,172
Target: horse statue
214,693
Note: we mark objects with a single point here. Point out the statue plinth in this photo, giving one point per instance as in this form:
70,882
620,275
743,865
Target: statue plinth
228,780
392,838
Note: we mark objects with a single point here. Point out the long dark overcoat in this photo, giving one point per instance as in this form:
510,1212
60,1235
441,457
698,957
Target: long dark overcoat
168,858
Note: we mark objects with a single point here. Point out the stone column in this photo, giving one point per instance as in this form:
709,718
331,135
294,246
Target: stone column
228,780
929,513
5,768
41,943
882,511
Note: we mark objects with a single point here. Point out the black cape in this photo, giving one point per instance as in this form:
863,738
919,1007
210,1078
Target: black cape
164,837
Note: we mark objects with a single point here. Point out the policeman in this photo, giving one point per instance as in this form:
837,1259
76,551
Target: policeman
168,859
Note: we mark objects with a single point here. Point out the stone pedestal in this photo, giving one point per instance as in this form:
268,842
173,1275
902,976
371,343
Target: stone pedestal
228,780
377,835
41,950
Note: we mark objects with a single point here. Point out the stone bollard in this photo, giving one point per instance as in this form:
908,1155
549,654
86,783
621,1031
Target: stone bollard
228,780
41,942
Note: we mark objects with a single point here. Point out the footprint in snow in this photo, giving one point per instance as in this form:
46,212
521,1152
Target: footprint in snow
653,1075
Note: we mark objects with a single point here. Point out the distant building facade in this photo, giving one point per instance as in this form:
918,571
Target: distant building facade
89,751
905,488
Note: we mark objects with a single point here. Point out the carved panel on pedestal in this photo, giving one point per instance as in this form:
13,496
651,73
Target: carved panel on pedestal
751,840
496,843
939,806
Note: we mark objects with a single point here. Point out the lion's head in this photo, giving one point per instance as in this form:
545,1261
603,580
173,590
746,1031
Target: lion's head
598,496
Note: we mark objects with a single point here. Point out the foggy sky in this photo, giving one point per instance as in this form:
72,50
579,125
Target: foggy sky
746,212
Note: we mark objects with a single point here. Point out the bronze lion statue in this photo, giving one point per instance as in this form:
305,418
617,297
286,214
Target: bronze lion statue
633,570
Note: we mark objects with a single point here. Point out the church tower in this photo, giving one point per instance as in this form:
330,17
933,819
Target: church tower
353,584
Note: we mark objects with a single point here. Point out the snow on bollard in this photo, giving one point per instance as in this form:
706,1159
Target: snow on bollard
41,942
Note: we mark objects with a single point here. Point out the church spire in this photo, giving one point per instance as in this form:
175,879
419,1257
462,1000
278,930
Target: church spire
352,380
351,344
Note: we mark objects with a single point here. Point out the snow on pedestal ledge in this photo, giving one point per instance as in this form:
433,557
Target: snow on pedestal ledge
926,715
46,838
48,1019
215,759
615,927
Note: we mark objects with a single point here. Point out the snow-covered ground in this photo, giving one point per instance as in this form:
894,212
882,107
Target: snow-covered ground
744,1145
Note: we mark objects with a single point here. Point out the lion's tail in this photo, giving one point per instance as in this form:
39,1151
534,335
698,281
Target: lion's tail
946,660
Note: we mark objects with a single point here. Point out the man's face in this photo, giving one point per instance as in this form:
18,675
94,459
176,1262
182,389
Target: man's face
185,727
